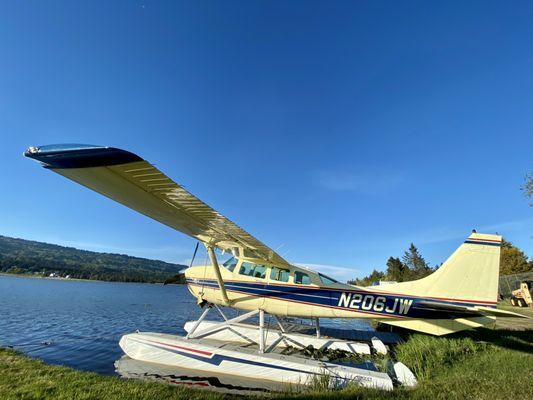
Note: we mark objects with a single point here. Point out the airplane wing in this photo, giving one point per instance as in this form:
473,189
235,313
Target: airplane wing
137,184
470,309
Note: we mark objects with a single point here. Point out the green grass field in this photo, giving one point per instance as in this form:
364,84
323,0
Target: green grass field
482,364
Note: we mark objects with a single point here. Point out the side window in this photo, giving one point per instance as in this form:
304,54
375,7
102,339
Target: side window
260,271
279,274
230,264
301,278
246,269
253,270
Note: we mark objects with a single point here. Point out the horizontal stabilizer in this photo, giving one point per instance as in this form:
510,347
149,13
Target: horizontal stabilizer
470,309
500,313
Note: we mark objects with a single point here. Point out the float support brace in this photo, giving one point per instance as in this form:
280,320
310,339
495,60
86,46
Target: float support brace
197,323
317,322
216,267
261,331
223,325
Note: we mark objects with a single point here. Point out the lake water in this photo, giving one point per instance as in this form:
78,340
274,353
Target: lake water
79,323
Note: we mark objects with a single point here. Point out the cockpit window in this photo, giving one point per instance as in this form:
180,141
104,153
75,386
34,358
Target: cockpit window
327,280
279,274
253,270
230,264
301,278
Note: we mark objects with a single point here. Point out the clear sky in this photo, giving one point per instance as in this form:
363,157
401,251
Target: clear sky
340,131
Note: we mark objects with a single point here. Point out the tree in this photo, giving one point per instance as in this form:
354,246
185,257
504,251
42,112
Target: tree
413,267
528,187
415,263
375,276
395,270
513,260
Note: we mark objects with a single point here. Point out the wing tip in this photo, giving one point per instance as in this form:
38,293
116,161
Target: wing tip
79,156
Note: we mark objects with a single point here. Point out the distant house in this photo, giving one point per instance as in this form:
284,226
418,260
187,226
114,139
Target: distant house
377,283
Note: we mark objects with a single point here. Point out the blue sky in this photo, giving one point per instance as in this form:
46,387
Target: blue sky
340,131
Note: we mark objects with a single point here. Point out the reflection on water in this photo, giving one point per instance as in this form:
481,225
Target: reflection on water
128,368
79,323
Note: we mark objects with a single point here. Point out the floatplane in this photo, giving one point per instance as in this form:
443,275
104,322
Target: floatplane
461,294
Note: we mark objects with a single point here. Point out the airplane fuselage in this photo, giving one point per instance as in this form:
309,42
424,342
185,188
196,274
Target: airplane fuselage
313,300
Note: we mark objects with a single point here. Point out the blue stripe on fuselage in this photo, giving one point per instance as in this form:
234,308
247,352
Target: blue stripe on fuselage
351,300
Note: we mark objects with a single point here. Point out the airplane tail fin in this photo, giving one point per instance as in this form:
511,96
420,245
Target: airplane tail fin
468,280
470,274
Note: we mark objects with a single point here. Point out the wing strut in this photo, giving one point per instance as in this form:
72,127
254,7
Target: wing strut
216,267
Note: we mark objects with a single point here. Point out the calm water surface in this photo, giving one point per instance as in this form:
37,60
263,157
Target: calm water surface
79,323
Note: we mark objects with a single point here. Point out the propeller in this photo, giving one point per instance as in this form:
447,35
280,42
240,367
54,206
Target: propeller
180,276
194,254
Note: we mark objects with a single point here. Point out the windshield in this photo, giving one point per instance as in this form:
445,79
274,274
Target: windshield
327,280
230,264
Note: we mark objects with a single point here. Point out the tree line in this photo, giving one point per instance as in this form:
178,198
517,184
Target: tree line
19,256
413,266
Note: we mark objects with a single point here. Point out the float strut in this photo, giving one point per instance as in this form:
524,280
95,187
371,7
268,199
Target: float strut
281,327
197,323
317,322
261,331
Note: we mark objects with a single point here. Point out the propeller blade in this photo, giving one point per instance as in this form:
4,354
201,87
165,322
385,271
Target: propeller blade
180,277
194,254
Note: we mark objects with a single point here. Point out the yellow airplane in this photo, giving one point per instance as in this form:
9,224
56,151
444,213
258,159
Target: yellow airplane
461,294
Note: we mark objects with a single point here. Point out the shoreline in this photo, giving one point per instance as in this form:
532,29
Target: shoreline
79,279
480,364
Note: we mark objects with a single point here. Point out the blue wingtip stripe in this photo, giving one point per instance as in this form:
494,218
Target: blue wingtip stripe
80,156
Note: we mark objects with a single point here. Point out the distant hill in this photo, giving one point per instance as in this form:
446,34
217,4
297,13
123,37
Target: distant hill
21,256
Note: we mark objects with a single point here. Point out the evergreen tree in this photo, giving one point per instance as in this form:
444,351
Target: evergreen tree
375,276
395,270
415,263
528,187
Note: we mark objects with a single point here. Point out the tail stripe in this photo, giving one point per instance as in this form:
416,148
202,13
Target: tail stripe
484,243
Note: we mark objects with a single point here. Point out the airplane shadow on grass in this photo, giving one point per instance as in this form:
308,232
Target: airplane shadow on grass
520,340
512,339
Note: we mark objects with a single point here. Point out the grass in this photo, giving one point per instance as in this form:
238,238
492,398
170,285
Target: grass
426,356
481,364
24,378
